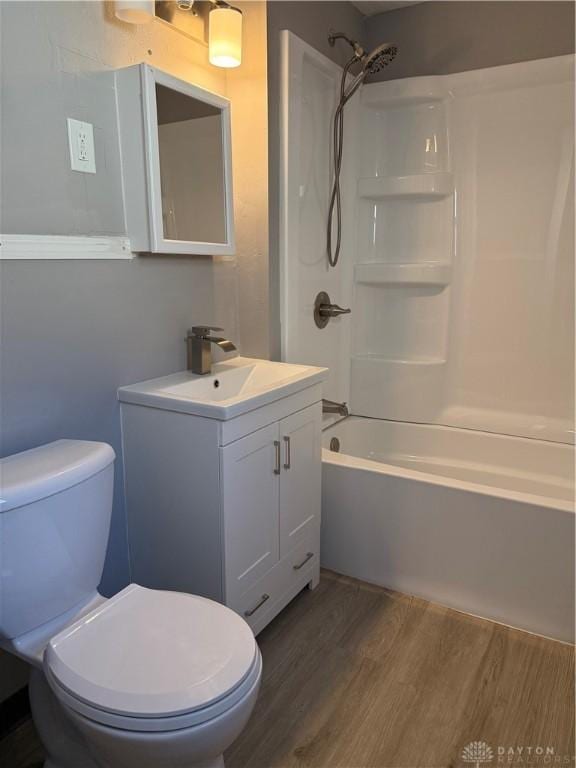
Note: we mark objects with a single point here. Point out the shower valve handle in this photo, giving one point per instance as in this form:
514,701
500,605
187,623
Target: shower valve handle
332,310
324,310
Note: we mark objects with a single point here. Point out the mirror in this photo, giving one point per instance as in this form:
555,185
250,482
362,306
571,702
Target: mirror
191,153
176,146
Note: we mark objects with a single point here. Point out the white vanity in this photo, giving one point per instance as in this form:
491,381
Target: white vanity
223,483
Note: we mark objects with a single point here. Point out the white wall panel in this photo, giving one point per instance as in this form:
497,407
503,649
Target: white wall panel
458,256
310,88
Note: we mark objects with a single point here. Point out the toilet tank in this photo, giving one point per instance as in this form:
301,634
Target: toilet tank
55,507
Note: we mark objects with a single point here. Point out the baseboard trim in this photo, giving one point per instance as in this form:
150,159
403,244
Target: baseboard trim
14,711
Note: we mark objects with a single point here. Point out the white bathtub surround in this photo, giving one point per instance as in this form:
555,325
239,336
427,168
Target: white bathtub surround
464,250
458,252
478,522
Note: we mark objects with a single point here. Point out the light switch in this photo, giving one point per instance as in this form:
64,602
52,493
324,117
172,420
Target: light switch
81,142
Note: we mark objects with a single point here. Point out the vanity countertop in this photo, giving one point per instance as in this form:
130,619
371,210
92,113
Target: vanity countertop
234,387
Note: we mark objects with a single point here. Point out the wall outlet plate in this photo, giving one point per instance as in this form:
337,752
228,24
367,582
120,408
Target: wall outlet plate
81,143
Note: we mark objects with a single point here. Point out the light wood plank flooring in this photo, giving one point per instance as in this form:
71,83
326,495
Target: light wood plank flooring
359,677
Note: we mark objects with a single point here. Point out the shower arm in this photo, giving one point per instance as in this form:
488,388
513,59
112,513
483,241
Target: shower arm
358,50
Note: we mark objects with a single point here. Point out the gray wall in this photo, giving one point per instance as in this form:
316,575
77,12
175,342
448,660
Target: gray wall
436,38
311,21
72,333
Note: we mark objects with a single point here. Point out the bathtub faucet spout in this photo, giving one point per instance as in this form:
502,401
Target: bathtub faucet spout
330,406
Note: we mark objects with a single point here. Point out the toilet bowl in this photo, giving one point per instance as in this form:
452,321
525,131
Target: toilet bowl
145,679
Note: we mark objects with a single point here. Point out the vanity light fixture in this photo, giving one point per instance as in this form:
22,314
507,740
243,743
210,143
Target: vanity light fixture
225,35
134,11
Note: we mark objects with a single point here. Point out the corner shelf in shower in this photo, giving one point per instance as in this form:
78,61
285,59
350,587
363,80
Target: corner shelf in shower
422,186
387,273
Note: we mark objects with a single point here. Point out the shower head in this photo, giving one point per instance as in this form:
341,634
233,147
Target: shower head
372,62
379,58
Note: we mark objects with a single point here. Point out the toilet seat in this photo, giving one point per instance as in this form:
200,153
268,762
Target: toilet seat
149,660
158,724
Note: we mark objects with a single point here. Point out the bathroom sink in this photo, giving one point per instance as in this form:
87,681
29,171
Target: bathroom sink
234,387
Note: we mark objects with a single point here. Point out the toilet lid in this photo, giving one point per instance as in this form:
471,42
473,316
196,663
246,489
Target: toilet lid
149,653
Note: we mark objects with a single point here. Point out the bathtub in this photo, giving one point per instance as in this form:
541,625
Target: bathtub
479,522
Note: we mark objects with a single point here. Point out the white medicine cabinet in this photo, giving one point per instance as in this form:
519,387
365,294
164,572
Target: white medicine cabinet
177,164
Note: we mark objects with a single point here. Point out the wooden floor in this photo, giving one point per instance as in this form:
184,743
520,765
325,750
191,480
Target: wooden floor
356,676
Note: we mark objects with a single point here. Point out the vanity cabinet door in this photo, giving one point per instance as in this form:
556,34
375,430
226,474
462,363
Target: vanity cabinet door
250,501
301,478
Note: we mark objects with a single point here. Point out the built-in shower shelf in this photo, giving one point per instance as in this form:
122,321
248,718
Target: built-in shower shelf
401,93
385,273
416,186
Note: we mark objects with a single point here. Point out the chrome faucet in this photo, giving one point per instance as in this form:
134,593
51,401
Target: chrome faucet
330,406
199,345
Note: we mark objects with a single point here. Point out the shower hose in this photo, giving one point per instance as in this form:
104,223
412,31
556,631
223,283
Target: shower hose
333,249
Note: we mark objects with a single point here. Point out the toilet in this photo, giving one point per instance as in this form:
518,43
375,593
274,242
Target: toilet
145,679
